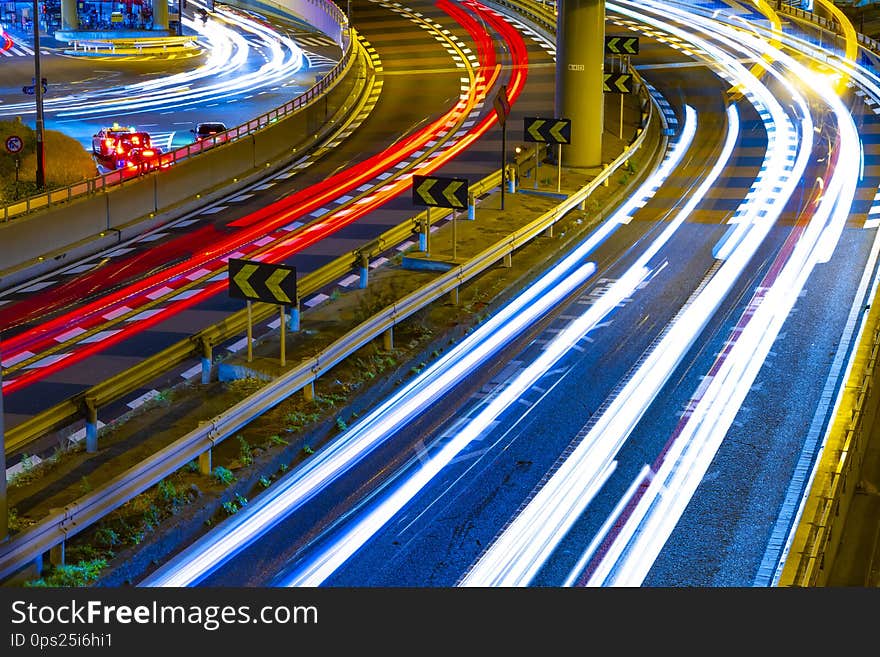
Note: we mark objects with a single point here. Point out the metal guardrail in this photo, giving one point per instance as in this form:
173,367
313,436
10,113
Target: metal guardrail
133,45
114,178
85,511
832,488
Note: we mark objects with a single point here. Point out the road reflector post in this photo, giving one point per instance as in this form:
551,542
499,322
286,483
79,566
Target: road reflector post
472,207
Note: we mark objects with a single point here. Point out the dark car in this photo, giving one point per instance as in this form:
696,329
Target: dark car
204,130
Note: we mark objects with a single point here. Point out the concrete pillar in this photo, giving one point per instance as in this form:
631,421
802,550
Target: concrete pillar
205,462
580,55
56,554
91,426
309,391
160,15
388,339
69,19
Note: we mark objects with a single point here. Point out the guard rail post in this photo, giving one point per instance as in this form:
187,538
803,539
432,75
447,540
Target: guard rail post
91,412
388,339
56,554
309,391
293,321
205,462
364,265
207,356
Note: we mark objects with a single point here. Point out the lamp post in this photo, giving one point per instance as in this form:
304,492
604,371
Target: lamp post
38,94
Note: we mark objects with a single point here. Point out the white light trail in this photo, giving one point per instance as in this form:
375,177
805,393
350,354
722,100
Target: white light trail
220,77
327,464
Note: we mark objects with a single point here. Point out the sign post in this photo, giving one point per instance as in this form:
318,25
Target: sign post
620,83
262,281
548,131
434,191
14,145
502,109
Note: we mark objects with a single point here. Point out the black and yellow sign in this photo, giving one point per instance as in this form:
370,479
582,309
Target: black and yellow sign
262,281
618,83
551,131
621,45
440,192
501,104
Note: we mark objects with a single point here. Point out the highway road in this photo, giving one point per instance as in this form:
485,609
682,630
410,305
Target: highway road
657,428
150,270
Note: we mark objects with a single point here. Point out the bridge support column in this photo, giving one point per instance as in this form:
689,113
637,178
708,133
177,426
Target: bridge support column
69,19
160,15
91,426
580,56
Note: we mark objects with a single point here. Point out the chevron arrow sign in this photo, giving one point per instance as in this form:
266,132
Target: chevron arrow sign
551,131
440,192
618,83
621,45
262,281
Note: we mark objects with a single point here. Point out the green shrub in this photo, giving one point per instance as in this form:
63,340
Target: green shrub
245,455
223,475
79,574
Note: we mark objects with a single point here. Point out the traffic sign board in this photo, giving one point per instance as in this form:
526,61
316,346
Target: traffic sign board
30,89
440,192
551,131
14,143
261,281
501,104
621,45
620,83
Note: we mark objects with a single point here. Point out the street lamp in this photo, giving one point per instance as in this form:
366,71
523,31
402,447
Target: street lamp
38,94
